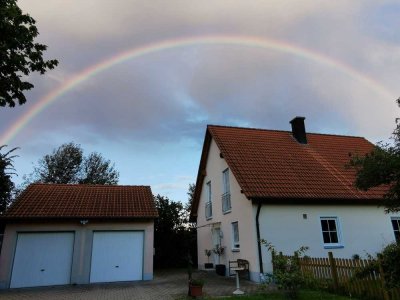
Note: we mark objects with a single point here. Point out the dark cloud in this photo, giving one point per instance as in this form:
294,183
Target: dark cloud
146,110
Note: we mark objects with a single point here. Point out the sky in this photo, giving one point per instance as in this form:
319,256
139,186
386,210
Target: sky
138,81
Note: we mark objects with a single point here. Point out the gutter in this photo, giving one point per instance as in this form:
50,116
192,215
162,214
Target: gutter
260,261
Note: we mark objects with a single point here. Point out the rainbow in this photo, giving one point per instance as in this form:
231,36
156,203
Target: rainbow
242,41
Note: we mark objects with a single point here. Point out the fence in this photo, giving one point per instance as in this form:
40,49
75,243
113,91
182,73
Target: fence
339,275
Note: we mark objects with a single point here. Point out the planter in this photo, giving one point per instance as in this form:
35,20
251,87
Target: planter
208,265
220,269
195,290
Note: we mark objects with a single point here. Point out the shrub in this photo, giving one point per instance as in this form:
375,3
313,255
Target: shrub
287,273
389,258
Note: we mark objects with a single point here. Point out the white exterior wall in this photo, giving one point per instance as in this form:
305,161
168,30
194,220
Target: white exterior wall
82,251
241,212
364,229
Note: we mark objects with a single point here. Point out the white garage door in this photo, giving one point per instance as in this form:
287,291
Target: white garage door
117,256
42,259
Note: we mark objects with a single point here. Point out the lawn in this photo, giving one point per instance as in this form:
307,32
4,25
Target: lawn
304,295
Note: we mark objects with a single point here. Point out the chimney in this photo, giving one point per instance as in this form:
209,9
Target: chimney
299,130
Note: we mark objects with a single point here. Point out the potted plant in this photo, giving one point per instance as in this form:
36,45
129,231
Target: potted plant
208,265
196,287
219,268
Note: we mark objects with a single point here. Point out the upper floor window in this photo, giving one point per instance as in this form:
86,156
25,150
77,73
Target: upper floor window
235,236
330,232
226,194
396,228
208,207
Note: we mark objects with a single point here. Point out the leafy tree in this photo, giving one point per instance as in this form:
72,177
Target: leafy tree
169,232
381,167
6,184
67,164
174,239
97,170
19,54
188,205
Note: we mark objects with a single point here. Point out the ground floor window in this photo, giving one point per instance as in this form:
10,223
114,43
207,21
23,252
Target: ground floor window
235,236
396,228
330,232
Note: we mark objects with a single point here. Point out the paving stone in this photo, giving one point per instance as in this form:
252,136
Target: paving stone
167,284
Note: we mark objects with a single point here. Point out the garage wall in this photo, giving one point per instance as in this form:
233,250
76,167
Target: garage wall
80,272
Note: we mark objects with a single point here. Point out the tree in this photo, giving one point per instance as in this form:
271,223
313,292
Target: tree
19,54
67,164
169,231
6,184
188,205
381,167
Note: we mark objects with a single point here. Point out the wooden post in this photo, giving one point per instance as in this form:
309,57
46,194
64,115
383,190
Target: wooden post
382,276
334,273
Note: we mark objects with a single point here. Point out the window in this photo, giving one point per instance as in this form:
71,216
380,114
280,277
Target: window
396,228
330,232
226,195
208,201
235,236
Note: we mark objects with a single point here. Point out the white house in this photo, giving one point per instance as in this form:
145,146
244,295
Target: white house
291,188
57,234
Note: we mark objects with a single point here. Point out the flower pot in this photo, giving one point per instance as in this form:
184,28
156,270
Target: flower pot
220,269
195,290
208,265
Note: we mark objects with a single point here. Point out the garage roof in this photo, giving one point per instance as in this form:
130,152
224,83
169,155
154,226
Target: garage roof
83,201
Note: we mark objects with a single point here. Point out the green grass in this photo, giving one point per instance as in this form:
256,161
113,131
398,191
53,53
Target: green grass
304,295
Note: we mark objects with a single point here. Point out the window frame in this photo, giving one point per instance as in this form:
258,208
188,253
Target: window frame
396,233
226,193
235,233
208,200
338,231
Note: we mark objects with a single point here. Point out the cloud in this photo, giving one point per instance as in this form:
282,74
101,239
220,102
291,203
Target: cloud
153,103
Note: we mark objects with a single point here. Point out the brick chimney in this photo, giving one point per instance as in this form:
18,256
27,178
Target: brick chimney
299,130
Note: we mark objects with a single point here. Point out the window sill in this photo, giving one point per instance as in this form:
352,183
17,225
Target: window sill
235,249
227,211
333,246
209,218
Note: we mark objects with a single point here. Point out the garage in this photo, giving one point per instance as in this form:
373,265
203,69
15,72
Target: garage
62,234
42,259
117,256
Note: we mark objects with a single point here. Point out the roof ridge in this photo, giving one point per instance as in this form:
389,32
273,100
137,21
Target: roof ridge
87,185
281,130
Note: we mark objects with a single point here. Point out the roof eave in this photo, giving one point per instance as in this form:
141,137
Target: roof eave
200,175
314,201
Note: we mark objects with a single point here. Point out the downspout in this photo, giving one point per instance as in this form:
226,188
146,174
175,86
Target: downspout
260,261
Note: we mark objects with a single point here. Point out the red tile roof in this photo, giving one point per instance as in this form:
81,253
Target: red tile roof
271,164
83,201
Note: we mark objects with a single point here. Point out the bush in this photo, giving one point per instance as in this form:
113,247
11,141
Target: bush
287,273
389,258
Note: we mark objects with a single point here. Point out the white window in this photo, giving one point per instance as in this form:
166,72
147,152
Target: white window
226,195
331,232
208,201
235,236
396,228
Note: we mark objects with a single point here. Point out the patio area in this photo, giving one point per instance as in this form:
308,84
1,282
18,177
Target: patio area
167,284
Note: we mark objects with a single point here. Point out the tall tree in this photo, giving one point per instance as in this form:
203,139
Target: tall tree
381,167
19,54
67,164
97,170
169,231
6,184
